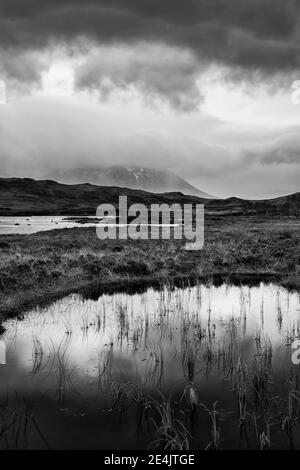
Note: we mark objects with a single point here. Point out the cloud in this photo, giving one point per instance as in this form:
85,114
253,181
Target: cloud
43,137
152,69
262,34
283,150
158,50
22,70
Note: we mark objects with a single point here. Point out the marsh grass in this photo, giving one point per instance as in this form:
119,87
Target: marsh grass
104,369
150,372
171,434
44,266
215,419
16,426
63,373
37,354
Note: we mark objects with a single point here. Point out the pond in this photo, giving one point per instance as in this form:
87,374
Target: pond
195,367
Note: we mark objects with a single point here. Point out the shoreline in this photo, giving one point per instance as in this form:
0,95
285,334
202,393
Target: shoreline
38,268
96,288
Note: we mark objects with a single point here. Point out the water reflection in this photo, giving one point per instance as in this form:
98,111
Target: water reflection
101,363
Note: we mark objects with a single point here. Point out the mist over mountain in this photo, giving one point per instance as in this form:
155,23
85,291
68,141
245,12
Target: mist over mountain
147,179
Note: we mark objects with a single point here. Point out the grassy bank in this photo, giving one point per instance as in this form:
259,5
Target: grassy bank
39,267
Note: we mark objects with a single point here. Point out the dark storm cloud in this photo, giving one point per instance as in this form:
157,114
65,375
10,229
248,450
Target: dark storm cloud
250,33
253,39
170,74
21,67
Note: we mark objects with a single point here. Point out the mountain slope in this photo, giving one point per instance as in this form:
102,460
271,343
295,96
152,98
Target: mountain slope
25,196
146,179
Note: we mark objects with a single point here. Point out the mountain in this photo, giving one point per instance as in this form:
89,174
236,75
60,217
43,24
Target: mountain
147,179
26,196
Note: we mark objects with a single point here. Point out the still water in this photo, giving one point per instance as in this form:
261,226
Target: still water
34,224
129,371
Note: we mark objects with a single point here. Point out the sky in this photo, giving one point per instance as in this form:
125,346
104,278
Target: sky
209,89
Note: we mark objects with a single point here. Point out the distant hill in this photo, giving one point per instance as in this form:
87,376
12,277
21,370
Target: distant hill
26,196
147,179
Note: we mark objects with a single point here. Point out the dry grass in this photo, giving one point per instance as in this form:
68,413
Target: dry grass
35,268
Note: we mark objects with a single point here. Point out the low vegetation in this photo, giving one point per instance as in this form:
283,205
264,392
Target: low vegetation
40,267
175,376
